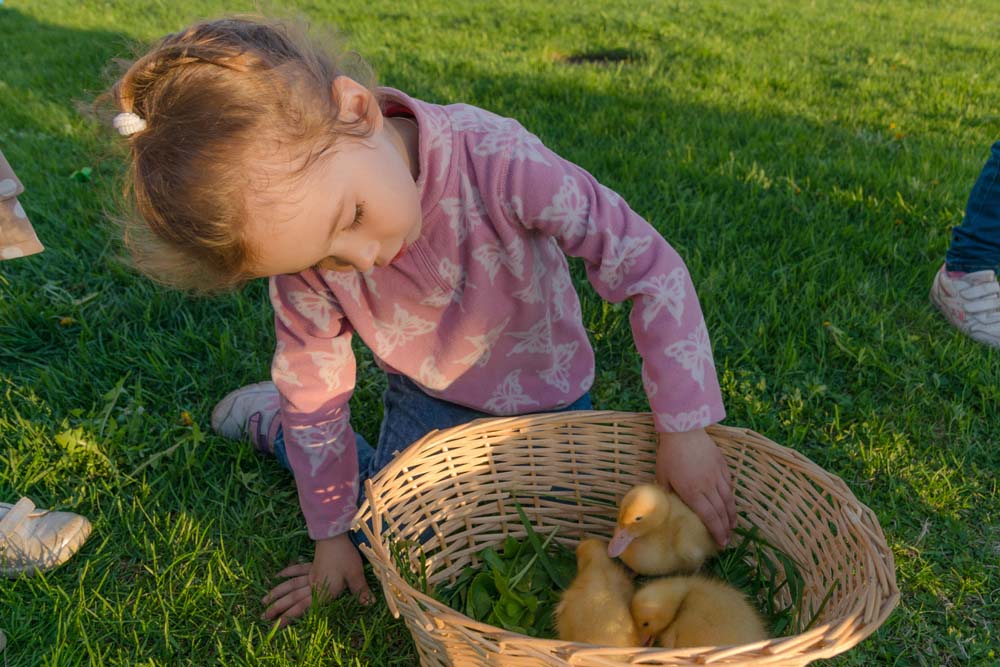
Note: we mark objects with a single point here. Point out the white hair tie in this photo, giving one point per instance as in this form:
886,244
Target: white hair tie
128,123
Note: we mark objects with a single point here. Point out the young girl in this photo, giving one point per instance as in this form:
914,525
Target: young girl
435,233
965,288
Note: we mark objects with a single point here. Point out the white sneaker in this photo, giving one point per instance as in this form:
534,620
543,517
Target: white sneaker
249,411
971,303
34,540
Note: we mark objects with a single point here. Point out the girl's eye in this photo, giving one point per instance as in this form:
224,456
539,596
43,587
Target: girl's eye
359,212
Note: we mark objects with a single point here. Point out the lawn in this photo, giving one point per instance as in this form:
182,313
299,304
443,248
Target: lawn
807,160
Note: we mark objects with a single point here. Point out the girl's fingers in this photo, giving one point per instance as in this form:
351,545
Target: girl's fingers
359,586
713,513
724,488
283,604
726,491
296,570
722,515
295,612
286,587
326,591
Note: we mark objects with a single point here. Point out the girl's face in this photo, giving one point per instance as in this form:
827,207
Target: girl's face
354,209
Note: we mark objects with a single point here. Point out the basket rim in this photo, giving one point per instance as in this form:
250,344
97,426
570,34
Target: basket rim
850,629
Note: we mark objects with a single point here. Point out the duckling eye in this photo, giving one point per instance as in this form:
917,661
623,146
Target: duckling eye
646,624
638,518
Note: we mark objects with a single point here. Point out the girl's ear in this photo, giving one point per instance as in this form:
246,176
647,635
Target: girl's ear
355,103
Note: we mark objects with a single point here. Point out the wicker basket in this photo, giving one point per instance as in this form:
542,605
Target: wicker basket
452,492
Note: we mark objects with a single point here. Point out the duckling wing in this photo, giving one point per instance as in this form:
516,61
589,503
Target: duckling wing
595,610
692,544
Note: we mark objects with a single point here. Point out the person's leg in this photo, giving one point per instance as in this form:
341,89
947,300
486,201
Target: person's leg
965,288
975,244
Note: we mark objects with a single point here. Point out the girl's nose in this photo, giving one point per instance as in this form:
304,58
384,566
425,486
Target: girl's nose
365,256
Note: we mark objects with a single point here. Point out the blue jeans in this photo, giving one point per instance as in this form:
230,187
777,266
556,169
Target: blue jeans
409,414
975,244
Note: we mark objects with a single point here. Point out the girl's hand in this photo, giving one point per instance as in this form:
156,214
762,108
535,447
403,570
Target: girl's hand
337,564
691,465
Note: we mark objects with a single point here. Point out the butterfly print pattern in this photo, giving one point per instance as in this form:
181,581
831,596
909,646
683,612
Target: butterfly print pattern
330,364
349,281
514,209
622,257
661,292
557,375
431,377
464,213
344,495
561,284
404,326
279,309
314,307
492,256
320,441
647,383
569,210
498,135
588,380
281,369
509,398
533,292
370,283
483,345
613,199
537,339
454,275
687,421
435,137
693,354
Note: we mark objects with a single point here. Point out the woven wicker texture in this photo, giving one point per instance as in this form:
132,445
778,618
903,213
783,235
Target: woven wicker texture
452,494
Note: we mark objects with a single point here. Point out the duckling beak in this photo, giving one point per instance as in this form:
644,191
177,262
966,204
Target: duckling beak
645,640
619,542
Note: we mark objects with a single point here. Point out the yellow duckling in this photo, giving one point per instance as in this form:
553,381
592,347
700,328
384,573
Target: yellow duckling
595,607
681,612
658,534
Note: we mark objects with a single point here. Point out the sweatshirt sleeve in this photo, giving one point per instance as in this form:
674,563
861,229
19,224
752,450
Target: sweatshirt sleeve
314,370
625,258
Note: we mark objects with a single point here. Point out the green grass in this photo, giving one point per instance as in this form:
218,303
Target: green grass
807,159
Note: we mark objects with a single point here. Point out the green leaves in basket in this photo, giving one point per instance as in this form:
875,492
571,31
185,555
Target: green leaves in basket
482,593
517,585
753,570
550,568
762,571
414,575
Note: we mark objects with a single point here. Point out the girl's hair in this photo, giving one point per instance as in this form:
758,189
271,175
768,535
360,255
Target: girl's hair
210,95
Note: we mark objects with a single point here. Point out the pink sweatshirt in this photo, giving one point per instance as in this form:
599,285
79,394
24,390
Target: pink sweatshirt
481,311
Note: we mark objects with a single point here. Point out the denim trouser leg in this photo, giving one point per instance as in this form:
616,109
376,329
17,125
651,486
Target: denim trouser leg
409,414
975,244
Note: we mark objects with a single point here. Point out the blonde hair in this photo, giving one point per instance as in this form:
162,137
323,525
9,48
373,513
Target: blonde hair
208,95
